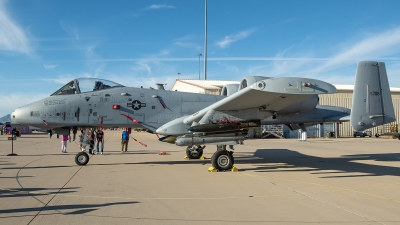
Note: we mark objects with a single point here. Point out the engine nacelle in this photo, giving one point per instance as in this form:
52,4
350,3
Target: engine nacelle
229,89
247,81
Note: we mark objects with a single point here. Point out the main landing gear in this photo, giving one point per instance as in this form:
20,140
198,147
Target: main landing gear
195,152
222,160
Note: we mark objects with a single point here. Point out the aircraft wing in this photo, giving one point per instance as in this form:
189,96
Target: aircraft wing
269,95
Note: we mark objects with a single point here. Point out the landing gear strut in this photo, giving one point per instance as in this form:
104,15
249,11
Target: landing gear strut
194,151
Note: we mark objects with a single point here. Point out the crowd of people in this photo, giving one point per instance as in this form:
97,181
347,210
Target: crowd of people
88,138
14,132
91,139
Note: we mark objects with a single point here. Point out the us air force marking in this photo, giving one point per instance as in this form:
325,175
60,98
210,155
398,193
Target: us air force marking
136,105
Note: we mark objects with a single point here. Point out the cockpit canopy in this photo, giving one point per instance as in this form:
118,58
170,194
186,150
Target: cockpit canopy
82,85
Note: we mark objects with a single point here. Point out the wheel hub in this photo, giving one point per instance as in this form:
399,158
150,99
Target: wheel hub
82,158
223,160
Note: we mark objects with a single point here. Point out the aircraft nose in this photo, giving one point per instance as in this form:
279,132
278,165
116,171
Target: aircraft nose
14,116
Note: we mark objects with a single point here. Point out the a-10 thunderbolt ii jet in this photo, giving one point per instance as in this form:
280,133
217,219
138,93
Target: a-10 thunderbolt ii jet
195,120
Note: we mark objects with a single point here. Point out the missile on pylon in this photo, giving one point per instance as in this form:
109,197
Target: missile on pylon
213,127
218,127
189,141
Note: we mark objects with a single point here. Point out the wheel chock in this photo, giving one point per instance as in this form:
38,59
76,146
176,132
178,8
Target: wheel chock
186,158
202,158
162,153
234,169
212,169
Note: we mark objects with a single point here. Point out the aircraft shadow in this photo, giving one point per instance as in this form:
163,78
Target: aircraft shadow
284,160
33,192
79,208
36,167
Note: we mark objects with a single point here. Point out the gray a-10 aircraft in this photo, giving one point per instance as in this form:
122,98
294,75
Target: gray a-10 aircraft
194,120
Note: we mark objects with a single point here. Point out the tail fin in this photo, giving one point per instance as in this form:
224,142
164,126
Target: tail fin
372,101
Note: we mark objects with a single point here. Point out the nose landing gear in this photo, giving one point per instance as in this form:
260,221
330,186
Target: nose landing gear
82,158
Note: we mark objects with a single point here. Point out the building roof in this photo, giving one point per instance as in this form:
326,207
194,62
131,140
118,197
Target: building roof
206,84
350,87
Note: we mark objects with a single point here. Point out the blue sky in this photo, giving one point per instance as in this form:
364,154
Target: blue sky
46,43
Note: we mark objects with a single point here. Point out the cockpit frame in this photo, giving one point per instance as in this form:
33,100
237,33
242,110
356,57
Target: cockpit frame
83,85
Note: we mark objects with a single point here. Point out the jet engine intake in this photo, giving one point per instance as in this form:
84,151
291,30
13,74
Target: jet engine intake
229,89
247,81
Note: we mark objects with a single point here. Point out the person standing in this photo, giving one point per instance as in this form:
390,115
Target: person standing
124,140
64,139
50,133
74,131
91,138
100,138
81,139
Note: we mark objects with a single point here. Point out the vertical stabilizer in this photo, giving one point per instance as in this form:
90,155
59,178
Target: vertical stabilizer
372,101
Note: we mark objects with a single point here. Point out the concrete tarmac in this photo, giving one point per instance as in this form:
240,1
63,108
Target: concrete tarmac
319,181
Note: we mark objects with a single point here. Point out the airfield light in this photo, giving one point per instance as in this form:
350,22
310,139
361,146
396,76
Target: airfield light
116,106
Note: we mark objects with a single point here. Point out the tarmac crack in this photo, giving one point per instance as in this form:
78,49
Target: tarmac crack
57,192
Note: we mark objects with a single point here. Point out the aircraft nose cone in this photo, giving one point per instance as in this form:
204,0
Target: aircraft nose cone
14,116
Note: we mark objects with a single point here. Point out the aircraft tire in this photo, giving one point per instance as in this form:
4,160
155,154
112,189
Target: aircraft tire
81,159
222,160
377,135
191,154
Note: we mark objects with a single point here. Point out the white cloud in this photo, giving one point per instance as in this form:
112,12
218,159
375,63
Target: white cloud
64,79
49,67
12,37
164,6
371,47
234,38
142,66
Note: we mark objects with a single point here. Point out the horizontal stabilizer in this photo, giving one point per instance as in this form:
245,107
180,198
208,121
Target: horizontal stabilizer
372,102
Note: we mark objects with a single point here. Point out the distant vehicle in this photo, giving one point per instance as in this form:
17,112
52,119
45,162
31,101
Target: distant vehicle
393,132
362,133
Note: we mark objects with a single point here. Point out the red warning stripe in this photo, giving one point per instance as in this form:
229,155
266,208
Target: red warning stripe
130,118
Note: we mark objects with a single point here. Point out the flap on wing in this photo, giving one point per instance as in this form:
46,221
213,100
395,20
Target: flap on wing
270,94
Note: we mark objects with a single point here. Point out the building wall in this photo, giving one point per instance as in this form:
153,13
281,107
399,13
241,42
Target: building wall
344,99
183,87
